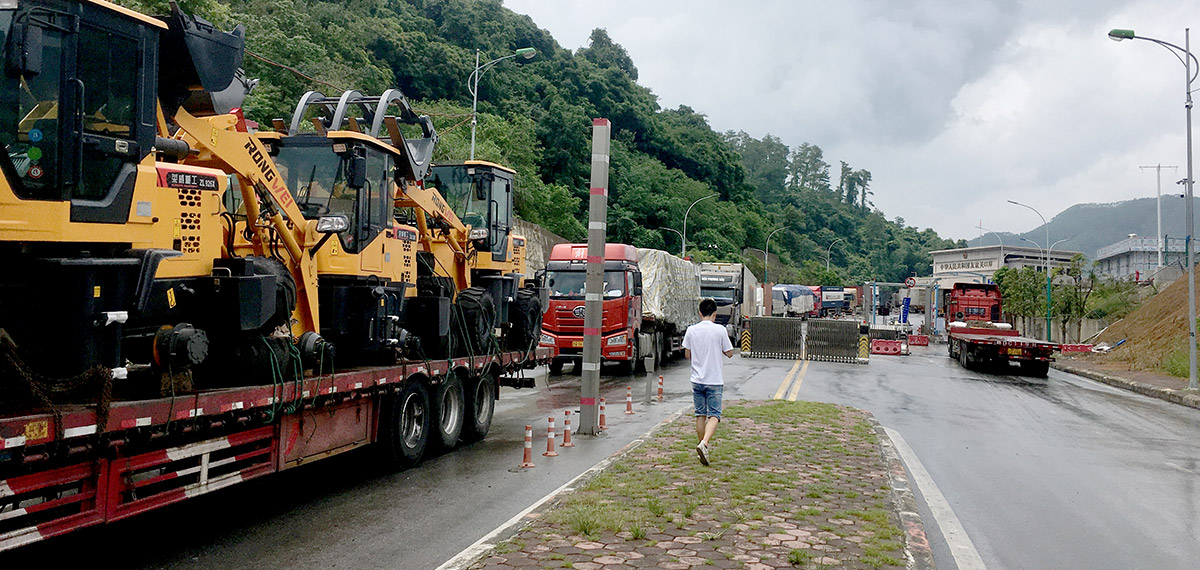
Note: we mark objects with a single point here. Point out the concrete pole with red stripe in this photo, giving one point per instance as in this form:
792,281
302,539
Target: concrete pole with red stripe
589,389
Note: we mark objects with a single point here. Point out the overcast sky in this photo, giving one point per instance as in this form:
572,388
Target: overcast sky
954,106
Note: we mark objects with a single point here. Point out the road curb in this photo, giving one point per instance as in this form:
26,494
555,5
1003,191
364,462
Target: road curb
483,546
916,543
1180,397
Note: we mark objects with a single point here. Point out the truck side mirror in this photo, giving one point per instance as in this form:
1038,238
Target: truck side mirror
356,170
24,51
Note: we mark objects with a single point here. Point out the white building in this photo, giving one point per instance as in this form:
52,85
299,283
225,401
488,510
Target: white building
1137,257
979,264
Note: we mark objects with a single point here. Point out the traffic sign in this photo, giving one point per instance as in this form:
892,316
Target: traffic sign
910,282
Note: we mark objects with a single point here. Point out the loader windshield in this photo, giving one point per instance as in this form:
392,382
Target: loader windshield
458,186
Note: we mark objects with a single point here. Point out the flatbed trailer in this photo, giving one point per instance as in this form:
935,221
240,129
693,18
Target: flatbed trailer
977,348
61,470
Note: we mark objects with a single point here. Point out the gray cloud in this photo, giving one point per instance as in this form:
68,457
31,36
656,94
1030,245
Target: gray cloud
954,106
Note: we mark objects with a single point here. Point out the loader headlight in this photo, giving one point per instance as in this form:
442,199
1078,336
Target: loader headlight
332,224
616,340
546,340
478,234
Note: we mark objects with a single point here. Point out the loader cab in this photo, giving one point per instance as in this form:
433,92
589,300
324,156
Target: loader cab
481,195
77,103
338,176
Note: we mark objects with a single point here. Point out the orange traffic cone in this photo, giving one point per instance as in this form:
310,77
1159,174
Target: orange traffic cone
602,426
550,440
528,462
629,400
660,387
567,431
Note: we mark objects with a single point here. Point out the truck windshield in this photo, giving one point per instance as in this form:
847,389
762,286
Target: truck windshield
717,295
570,284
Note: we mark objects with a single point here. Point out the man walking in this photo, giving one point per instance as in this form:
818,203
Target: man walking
703,344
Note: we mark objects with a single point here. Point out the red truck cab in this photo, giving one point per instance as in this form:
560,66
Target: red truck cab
974,302
562,324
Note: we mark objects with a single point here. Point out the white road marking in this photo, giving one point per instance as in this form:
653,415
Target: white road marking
961,547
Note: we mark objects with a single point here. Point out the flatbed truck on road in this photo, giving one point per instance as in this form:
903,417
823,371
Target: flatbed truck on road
74,466
978,339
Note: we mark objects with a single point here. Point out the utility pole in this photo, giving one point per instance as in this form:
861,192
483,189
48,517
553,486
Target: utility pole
1158,168
589,387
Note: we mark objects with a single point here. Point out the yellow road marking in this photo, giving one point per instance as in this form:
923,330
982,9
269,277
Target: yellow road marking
787,380
799,380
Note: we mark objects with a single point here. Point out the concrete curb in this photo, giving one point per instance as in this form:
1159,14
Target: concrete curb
484,546
1181,397
916,543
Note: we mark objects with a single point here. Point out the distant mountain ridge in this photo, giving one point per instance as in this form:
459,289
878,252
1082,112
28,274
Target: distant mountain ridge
1093,226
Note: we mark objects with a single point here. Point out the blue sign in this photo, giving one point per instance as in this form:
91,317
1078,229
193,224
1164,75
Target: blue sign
904,310
35,135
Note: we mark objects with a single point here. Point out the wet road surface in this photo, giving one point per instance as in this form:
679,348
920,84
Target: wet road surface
1042,473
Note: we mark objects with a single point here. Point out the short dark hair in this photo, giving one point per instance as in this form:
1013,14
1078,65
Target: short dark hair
707,307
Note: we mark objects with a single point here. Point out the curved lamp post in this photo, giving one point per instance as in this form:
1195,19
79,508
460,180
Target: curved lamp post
683,249
677,232
767,254
829,252
1002,264
473,83
1187,59
1046,255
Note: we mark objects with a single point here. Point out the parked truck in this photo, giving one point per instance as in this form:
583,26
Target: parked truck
177,290
736,292
796,300
978,338
833,301
650,298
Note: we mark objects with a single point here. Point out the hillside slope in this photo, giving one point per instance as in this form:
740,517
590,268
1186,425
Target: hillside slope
1154,333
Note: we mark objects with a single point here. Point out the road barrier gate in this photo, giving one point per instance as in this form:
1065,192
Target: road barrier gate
832,340
827,340
774,337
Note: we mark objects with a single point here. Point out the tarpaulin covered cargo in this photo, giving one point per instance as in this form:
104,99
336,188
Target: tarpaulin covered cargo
670,288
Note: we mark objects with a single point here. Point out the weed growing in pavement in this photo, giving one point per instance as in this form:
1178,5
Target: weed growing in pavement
655,507
799,557
637,531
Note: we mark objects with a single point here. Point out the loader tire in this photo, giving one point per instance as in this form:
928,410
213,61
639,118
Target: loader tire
526,317
476,314
285,290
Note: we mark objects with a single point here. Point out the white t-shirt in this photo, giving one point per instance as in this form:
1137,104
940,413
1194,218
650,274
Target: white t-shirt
708,342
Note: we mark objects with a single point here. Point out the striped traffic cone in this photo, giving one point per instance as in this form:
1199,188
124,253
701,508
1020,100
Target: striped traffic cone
550,440
567,431
660,387
528,462
629,400
602,426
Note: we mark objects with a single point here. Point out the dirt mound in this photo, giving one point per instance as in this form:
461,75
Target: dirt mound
1151,333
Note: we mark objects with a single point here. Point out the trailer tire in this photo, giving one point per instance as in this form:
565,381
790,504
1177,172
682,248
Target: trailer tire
450,412
481,405
1038,368
404,426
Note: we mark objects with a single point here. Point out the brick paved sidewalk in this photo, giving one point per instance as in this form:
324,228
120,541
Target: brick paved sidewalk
790,485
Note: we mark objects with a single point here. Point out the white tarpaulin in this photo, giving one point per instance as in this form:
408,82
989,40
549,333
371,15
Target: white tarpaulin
670,287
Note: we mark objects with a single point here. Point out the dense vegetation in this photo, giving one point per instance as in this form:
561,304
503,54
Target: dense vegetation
535,116
1077,292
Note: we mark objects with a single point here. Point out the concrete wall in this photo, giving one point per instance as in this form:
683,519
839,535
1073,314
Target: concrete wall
538,243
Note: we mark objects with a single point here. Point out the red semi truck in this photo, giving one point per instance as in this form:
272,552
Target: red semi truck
650,298
69,467
978,338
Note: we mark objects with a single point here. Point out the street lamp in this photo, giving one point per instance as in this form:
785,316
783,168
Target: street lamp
1047,256
980,226
683,250
766,254
1186,60
473,83
677,232
829,252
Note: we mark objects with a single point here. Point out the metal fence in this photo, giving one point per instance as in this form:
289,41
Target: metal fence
834,341
776,337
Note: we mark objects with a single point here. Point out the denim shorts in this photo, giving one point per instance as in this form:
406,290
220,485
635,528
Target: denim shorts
707,398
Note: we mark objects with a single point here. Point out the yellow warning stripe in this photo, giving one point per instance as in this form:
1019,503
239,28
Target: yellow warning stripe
799,380
786,381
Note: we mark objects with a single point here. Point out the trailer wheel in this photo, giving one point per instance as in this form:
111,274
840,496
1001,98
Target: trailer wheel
1038,368
450,407
481,404
404,426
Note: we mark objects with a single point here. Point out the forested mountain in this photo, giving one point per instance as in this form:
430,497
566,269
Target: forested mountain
1089,227
535,116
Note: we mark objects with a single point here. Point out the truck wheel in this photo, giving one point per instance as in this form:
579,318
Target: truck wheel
404,426
481,404
639,362
556,366
664,352
450,406
1038,368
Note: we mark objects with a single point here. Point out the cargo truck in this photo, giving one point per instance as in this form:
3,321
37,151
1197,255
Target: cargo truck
736,292
833,301
979,339
796,301
650,298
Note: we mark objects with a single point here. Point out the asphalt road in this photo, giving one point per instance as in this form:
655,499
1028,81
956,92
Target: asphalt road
1042,473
